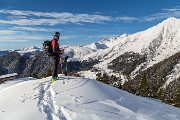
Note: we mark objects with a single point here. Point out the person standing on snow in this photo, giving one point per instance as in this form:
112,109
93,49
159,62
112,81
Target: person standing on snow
57,53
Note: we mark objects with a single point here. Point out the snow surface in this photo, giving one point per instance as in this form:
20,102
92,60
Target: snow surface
78,99
8,75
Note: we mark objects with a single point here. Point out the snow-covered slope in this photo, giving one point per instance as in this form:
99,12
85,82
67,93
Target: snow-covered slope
77,99
157,43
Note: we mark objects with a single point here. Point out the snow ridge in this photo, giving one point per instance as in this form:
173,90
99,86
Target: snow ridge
79,99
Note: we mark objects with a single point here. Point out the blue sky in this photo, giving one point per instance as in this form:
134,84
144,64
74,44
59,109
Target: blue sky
25,23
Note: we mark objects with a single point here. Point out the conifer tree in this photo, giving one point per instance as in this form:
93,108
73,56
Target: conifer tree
161,94
34,75
143,87
105,78
176,99
128,86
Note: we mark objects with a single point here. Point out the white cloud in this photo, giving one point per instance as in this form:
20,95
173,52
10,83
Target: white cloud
165,13
52,18
24,21
32,18
34,29
103,36
177,8
7,32
11,39
66,37
127,19
19,36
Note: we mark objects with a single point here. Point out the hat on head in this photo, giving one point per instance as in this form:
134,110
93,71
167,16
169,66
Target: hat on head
56,35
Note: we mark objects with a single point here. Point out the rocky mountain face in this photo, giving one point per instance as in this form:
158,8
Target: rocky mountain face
36,64
3,53
127,62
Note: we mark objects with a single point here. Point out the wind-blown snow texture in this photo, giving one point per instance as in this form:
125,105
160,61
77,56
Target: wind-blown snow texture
78,99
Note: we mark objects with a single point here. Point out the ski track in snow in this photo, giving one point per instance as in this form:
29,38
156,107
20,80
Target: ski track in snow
47,104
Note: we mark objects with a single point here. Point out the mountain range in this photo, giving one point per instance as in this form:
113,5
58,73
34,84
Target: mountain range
145,63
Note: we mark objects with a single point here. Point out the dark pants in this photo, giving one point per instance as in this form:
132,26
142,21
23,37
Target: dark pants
56,61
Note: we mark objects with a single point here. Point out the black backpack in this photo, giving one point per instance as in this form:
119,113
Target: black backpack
47,48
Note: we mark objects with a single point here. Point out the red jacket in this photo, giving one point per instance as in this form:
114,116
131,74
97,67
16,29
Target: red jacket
55,47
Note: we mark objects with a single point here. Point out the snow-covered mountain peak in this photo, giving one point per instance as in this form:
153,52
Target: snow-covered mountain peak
162,37
96,46
28,50
170,23
157,43
171,20
111,42
31,48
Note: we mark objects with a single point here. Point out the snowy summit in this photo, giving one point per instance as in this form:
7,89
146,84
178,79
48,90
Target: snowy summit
78,99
